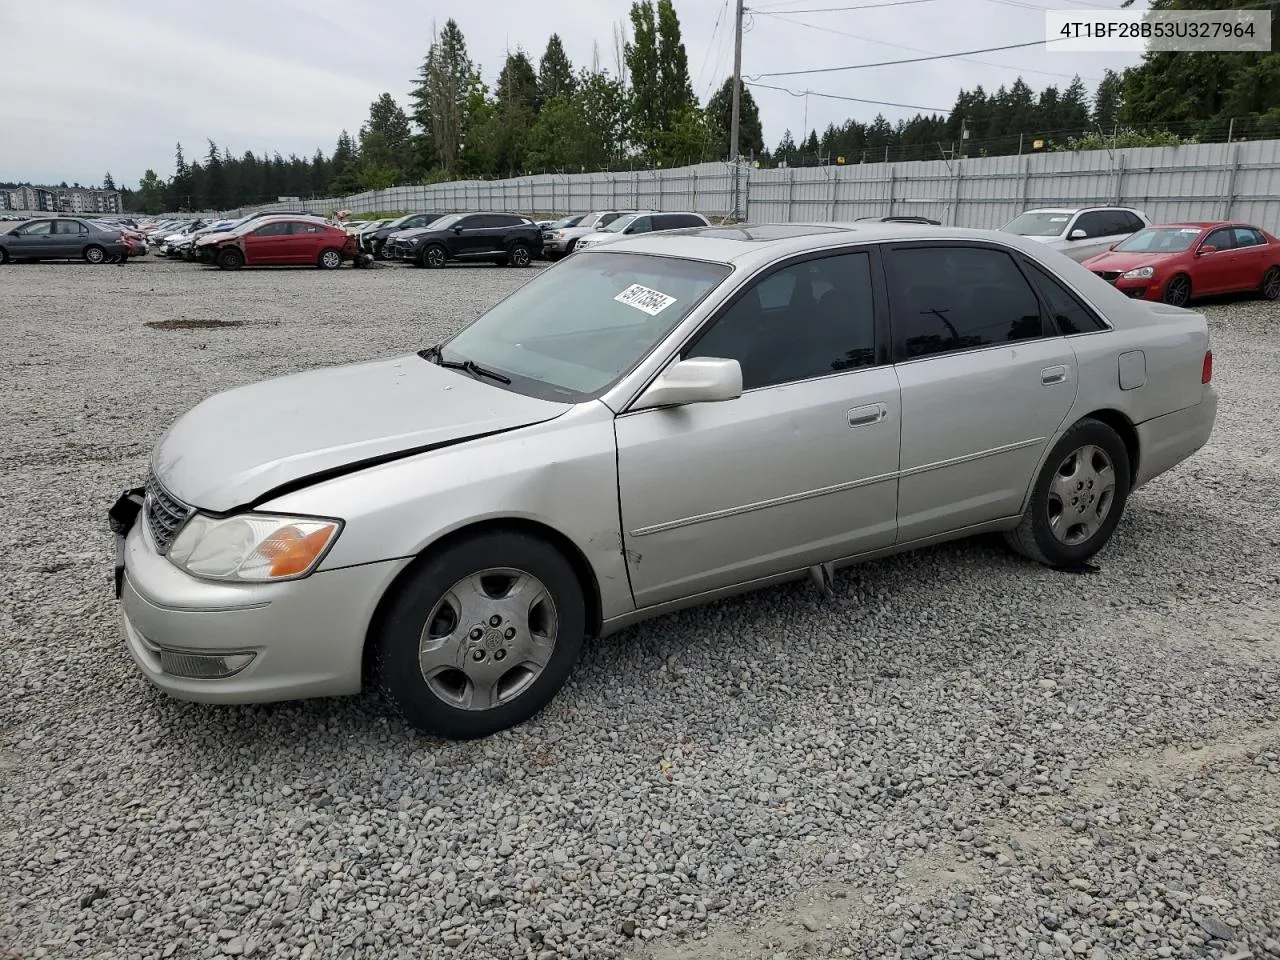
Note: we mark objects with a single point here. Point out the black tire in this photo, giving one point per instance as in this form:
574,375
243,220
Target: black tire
400,675
230,258
1177,290
434,255
4,256
330,259
519,255
1035,535
1270,286
94,254
380,250
569,249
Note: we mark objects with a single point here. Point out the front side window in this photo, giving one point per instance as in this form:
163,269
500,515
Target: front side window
572,332
41,228
810,319
640,225
1220,239
953,298
619,224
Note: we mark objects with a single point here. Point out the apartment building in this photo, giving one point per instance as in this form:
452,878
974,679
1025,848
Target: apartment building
60,199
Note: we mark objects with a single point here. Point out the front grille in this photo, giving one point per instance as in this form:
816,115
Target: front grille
165,514
1111,276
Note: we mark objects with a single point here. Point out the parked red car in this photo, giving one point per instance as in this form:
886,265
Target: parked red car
281,241
1177,261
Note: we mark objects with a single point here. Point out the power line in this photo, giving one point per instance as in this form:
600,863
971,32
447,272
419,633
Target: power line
891,63
861,6
711,45
903,46
836,96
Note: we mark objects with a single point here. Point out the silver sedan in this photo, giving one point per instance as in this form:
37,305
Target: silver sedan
659,423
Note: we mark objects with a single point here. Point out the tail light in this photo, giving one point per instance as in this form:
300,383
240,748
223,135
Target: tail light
1206,371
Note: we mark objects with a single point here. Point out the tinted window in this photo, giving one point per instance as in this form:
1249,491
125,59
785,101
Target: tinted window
1221,239
958,298
640,225
807,320
1071,315
1132,222
607,219
1247,237
1094,224
272,229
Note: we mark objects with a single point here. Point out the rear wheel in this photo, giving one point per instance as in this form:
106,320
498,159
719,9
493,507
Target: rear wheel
1270,287
4,256
330,259
95,254
519,255
230,259
1177,292
1078,499
481,636
434,256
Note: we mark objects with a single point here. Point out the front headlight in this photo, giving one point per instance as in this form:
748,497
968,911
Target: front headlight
1141,273
253,547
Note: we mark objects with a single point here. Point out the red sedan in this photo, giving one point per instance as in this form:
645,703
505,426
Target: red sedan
1177,261
281,241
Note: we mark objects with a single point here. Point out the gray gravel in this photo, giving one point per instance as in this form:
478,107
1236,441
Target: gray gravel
961,754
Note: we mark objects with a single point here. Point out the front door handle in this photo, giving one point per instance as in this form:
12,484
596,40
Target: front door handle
1051,375
867,415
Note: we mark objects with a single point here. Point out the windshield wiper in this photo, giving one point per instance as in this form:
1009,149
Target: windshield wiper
470,366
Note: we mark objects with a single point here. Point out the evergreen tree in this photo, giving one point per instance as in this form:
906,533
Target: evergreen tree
555,73
720,113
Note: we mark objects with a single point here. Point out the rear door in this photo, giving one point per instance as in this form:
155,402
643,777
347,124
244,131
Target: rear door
498,231
68,238
269,244
1216,270
306,240
1253,253
987,381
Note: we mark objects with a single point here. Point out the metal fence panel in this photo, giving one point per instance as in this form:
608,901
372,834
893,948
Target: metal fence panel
1191,182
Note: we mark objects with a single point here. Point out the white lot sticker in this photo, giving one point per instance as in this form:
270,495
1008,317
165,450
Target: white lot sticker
652,302
1189,230
1059,219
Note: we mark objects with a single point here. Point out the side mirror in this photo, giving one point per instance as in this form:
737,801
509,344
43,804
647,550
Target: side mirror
1076,234
457,230
1206,248
698,380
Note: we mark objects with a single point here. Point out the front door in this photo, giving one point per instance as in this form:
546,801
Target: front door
1216,269
799,470
269,244
470,236
987,382
33,240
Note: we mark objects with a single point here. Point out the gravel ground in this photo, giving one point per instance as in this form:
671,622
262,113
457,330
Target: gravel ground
959,755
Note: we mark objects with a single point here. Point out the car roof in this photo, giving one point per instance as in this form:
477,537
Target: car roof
1104,206
756,244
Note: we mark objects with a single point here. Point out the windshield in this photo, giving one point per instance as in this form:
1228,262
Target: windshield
566,223
444,222
620,224
1162,240
1038,224
572,332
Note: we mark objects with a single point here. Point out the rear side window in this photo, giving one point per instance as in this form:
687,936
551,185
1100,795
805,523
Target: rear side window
272,229
1247,237
953,298
69,227
307,228
1067,311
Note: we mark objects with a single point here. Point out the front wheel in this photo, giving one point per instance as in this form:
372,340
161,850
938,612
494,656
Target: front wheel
230,259
1270,287
95,254
330,259
519,255
1078,499
1177,292
4,256
434,256
481,636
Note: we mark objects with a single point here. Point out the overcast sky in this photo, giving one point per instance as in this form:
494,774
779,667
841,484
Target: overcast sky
123,81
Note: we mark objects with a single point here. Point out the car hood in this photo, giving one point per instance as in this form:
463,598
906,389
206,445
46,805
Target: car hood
216,237
236,446
1057,239
1126,261
602,237
408,234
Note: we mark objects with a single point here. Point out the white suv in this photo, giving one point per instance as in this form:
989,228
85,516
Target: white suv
1079,232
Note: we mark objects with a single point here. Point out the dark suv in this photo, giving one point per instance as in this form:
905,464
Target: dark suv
375,241
497,237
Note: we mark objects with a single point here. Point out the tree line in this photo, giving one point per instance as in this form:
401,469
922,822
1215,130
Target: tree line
549,116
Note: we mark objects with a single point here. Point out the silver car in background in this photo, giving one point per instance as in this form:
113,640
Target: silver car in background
561,241
1078,232
664,421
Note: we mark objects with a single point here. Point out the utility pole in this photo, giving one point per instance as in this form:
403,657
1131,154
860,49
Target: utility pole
737,104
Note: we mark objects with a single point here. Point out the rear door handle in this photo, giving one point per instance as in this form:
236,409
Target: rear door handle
867,415
1051,375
